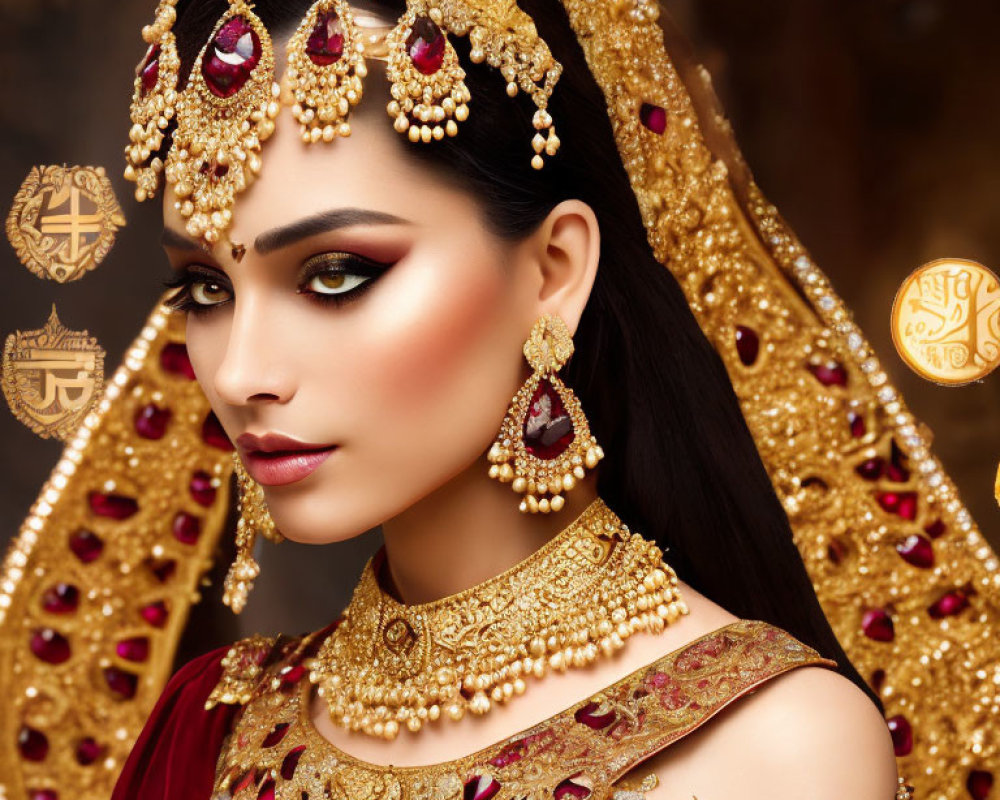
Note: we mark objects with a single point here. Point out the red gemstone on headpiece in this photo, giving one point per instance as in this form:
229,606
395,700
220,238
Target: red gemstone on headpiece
935,528
151,421
201,488
61,598
856,423
291,762
50,646
950,604
230,57
871,469
653,117
88,751
213,434
979,784
134,649
155,613
548,430
747,344
187,528
325,44
276,735
917,550
877,625
902,735
85,545
33,745
149,69
902,503
121,682
425,45
115,506
174,359
829,374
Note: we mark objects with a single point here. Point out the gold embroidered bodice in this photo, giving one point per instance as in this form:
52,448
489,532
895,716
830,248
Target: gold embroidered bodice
274,751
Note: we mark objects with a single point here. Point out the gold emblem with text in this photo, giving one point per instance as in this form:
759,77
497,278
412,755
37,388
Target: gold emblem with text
63,221
946,321
51,377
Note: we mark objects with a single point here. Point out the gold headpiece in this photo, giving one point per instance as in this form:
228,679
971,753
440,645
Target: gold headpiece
228,106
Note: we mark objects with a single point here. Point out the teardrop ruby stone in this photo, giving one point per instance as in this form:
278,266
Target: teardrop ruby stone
548,430
829,374
325,44
856,423
877,625
121,682
88,751
425,45
114,506
276,735
133,649
747,344
979,784
33,744
949,604
149,69
653,117
871,469
155,613
230,57
266,791
902,503
43,794
86,545
291,762
201,488
936,528
212,433
174,360
61,598
917,550
902,734
187,528
50,646
151,421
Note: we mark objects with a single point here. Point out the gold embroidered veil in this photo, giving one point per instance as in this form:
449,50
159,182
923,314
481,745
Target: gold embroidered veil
96,588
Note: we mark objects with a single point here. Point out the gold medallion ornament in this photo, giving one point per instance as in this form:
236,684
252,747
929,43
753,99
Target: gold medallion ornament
51,377
388,666
63,221
544,445
154,97
224,113
946,321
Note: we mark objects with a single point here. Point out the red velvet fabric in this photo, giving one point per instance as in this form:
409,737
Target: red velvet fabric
175,755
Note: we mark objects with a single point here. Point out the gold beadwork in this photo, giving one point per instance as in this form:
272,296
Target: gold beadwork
254,518
580,596
543,481
216,148
326,85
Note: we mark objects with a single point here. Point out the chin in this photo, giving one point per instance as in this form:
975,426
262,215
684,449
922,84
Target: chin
324,522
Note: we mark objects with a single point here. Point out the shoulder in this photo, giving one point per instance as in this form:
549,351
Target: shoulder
809,732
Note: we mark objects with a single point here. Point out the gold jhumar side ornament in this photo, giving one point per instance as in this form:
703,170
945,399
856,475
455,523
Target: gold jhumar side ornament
63,221
389,666
52,376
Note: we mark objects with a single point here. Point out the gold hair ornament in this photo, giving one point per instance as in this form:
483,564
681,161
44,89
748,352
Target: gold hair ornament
544,445
224,113
154,99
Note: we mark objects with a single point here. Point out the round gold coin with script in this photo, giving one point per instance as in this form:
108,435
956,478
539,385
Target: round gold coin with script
946,321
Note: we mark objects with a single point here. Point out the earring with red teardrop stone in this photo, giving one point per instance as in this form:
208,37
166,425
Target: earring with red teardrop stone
544,445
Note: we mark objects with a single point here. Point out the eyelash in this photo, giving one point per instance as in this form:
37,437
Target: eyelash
183,301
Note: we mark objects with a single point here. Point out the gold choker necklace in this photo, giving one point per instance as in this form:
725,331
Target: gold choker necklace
582,594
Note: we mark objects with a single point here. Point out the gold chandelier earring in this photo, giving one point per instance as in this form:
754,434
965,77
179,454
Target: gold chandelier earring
253,518
325,67
544,445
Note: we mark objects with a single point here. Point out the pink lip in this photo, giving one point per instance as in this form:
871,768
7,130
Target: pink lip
275,460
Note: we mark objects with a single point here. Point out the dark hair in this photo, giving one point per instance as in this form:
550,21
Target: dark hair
681,465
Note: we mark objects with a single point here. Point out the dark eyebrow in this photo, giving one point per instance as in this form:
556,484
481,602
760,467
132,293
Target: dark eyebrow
321,223
177,240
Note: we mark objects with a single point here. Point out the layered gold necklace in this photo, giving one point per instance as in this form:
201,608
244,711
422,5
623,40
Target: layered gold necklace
578,597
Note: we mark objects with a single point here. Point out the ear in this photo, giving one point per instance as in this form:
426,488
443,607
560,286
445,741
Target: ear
566,249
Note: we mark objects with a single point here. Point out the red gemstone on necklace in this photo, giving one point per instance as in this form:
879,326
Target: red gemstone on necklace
902,734
201,488
88,751
114,506
149,69
325,44
276,735
291,762
85,545
155,613
134,649
569,788
266,790
917,550
425,45
653,117
877,624
174,359
480,787
230,57
187,528
212,433
548,430
151,421
747,344
121,682
61,598
50,646
34,745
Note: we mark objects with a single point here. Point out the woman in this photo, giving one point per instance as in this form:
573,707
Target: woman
357,318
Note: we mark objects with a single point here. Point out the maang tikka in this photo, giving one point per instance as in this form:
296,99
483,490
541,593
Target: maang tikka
544,445
253,519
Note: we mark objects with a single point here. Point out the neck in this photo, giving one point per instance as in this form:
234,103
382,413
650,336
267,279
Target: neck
468,531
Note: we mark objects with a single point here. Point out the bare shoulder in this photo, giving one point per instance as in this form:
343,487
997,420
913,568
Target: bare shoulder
807,733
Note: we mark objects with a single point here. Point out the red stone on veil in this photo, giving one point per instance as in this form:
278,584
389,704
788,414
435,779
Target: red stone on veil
653,117
133,649
121,682
213,433
33,744
113,506
979,784
747,344
425,45
548,430
86,545
49,646
61,598
877,624
151,421
42,794
917,550
174,359
230,57
201,488
186,527
155,613
325,44
149,69
88,750
902,735
829,374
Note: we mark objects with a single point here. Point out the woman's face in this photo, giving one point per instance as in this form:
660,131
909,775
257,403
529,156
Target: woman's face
372,312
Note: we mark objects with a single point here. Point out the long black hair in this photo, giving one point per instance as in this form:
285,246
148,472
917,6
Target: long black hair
681,465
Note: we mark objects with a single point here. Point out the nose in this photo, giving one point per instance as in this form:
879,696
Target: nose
254,367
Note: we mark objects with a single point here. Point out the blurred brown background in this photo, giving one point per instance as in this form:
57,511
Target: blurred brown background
872,124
